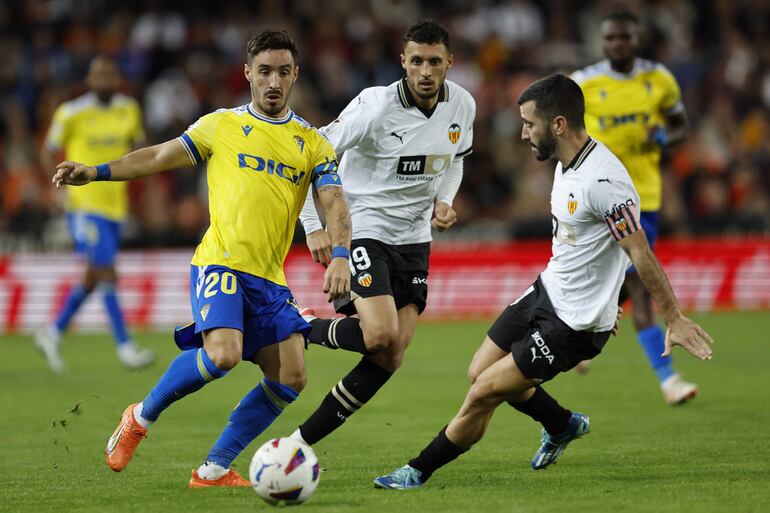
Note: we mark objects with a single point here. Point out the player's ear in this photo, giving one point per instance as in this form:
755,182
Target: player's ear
403,61
450,61
296,72
247,71
559,125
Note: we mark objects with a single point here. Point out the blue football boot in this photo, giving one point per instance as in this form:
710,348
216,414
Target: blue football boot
553,445
401,479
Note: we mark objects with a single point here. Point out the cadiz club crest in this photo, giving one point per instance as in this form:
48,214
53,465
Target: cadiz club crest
454,133
571,204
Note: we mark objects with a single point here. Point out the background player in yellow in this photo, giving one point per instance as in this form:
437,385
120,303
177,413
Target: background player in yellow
97,127
634,106
261,160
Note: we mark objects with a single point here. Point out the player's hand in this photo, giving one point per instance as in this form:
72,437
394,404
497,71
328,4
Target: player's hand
686,333
444,217
73,173
615,328
320,246
337,278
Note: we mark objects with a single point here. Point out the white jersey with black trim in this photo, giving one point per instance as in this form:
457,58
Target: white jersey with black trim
593,205
394,157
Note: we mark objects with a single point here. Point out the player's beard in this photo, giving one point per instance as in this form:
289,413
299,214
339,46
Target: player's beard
273,110
546,148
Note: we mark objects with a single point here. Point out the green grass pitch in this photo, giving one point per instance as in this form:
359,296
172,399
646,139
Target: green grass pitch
712,455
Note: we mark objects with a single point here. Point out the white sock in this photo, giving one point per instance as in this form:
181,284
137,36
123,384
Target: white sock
297,435
210,471
138,417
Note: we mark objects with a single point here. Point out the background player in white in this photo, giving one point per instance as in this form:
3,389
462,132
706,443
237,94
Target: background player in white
402,164
567,315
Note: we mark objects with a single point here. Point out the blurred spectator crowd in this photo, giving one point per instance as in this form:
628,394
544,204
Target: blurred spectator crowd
184,59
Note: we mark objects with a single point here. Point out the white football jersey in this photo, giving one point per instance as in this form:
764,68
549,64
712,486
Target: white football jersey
593,205
394,156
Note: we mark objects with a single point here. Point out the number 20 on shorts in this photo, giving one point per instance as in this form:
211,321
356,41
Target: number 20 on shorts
228,284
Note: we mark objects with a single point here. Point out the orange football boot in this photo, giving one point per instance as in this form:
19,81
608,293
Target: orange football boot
232,478
122,444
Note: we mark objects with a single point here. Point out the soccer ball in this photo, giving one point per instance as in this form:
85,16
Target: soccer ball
284,471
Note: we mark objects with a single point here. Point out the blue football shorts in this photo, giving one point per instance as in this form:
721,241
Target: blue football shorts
96,238
221,297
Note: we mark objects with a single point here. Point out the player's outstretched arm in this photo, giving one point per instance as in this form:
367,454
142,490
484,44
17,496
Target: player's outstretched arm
679,329
337,277
143,162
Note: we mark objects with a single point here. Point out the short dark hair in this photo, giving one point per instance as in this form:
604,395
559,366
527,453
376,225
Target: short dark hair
428,32
556,95
270,40
622,15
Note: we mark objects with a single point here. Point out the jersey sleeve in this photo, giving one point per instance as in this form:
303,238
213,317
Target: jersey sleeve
58,132
466,144
198,138
671,103
616,202
324,165
353,124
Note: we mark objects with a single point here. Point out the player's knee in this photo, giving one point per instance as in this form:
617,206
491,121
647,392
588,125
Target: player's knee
643,318
380,337
473,373
480,394
224,359
392,358
223,352
296,380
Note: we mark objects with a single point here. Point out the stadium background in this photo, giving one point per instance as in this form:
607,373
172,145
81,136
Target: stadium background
183,59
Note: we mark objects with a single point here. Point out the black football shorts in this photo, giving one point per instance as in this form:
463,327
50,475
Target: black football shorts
541,344
382,269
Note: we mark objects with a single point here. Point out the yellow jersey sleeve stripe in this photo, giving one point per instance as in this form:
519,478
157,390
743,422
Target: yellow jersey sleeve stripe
192,151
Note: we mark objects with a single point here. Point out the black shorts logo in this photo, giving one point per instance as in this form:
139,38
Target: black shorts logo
542,347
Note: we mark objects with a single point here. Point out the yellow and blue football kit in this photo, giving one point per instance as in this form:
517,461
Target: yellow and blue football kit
259,171
620,107
91,132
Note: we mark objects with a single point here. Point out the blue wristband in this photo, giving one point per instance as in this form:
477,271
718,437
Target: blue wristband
103,172
341,251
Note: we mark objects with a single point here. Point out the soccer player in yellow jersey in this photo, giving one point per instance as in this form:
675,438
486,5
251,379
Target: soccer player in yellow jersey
261,160
97,127
634,106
